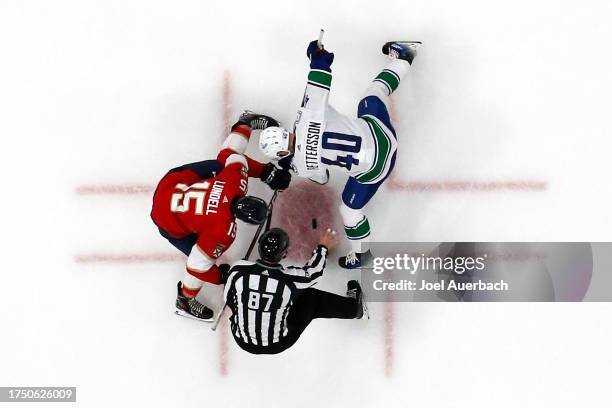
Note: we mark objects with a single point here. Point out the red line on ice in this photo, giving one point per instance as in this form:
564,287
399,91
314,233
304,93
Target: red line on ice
389,306
128,258
466,186
394,183
226,103
115,189
388,334
226,110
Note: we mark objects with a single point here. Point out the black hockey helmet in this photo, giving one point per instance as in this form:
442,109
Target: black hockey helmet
252,210
273,245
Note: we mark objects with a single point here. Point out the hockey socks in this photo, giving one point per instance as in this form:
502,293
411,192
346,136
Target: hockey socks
356,228
389,78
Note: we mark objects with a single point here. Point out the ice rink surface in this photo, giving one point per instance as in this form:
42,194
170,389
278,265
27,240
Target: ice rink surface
114,93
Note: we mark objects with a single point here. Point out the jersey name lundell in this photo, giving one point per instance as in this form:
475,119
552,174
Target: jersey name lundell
214,197
311,153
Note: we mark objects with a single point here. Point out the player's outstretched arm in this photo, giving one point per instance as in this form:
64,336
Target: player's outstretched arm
318,85
237,142
240,133
308,274
329,239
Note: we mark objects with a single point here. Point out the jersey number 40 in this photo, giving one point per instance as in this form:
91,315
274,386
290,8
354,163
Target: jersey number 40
343,143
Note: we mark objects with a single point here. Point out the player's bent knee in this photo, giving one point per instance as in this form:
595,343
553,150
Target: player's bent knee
374,106
377,90
356,195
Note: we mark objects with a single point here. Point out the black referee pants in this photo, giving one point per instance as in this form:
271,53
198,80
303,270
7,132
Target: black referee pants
313,304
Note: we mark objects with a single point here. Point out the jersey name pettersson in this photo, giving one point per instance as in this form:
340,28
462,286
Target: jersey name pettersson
312,145
307,156
214,197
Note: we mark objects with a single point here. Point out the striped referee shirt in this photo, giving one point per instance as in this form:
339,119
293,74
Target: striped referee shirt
260,296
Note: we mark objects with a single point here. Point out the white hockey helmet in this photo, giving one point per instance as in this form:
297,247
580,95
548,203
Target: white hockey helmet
273,140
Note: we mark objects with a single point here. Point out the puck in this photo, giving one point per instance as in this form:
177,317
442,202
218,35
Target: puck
314,223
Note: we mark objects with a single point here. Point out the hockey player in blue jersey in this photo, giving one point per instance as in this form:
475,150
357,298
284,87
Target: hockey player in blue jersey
364,147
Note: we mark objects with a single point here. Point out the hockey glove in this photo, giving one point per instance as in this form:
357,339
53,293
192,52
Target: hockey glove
275,178
320,58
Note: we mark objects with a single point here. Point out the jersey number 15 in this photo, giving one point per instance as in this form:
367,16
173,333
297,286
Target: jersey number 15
180,202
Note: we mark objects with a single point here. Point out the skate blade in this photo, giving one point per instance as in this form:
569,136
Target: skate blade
412,44
187,315
366,311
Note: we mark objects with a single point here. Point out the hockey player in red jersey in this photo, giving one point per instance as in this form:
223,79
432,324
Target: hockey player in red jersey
195,207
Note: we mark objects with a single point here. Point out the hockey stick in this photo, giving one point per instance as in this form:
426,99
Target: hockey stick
320,39
250,250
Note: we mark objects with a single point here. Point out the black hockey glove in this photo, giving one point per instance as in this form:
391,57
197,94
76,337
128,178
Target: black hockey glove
255,121
277,179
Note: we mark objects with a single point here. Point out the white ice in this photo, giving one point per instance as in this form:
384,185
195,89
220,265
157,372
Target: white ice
117,92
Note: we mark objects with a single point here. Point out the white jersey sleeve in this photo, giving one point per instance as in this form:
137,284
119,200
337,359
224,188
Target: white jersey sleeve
310,125
316,94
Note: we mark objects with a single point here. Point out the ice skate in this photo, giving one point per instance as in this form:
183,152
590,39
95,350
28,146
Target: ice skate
404,50
191,307
355,260
353,289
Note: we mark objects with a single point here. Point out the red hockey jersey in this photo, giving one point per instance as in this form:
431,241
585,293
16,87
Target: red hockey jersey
185,204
